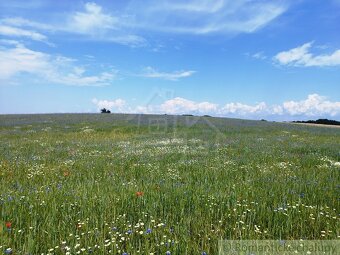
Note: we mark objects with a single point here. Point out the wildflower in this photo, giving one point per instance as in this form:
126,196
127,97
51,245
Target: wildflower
8,251
139,193
8,225
66,173
204,253
168,253
148,231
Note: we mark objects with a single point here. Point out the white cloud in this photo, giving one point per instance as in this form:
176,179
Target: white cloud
173,76
314,105
180,105
21,22
129,40
144,109
277,110
18,32
301,56
194,6
94,22
19,60
101,26
91,20
9,42
259,55
204,16
117,104
244,109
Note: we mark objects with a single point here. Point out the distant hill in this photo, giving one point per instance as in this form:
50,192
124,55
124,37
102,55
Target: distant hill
321,121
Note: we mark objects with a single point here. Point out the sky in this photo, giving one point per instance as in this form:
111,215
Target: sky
250,59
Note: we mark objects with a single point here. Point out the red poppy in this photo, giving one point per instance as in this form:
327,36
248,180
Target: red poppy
8,224
139,193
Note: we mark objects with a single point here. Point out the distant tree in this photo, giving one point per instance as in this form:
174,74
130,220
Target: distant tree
105,111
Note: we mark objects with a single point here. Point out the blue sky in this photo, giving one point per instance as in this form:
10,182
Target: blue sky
278,60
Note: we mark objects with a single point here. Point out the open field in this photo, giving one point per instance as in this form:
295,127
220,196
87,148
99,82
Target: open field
143,184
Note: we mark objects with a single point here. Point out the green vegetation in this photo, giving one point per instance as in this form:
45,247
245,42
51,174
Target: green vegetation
107,183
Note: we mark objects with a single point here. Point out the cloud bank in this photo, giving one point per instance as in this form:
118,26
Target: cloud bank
314,106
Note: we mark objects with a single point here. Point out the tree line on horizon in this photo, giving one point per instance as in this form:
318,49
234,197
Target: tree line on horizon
320,121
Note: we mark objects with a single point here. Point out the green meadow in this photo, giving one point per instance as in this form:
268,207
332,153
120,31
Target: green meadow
148,184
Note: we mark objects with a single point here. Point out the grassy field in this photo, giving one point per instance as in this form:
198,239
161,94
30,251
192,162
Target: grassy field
133,184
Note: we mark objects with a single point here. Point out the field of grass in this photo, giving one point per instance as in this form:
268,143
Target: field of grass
130,184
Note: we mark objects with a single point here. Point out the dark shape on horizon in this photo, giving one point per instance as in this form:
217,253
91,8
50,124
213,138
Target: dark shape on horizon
321,121
105,111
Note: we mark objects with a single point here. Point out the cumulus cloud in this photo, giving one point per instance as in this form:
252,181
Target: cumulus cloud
180,105
150,72
244,109
117,104
301,56
314,105
18,60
